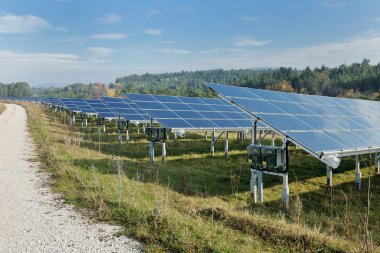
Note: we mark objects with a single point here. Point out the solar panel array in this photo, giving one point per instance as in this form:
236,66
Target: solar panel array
317,123
127,109
191,112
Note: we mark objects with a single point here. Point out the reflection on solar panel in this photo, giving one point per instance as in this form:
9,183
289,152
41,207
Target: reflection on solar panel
83,106
103,110
192,113
319,124
69,104
127,109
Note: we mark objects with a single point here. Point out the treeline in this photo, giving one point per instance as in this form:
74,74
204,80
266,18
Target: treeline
19,89
354,80
77,90
357,80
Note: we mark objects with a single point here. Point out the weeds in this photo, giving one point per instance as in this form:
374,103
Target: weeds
195,202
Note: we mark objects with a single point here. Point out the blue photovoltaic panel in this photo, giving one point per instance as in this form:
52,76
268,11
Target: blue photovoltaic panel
102,110
126,109
69,104
84,107
192,113
318,123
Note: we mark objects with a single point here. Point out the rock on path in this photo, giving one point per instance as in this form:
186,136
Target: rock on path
32,218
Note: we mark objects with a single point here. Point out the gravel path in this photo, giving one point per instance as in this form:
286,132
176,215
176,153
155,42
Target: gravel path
32,218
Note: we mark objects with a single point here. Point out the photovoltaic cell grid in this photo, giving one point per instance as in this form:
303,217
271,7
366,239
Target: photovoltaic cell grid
317,123
127,109
191,112
70,104
102,110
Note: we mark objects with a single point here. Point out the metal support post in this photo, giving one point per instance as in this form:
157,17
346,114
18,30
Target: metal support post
273,133
127,136
260,136
377,164
119,136
138,128
85,122
175,135
104,128
163,151
73,119
206,135
285,191
253,185
358,174
254,131
226,146
144,128
329,176
151,151
260,186
212,143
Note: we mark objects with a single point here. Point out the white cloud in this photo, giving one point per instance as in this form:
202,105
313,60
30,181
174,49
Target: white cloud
332,54
167,42
156,32
334,4
376,19
249,18
14,58
174,51
10,23
109,36
215,51
153,13
100,52
245,41
109,19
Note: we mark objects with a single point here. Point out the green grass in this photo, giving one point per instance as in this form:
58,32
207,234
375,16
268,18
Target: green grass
198,203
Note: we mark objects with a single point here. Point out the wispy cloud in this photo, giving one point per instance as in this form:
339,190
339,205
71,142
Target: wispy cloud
109,36
249,18
334,4
156,32
13,58
100,52
183,8
153,13
215,51
376,19
174,51
10,23
109,19
247,41
167,42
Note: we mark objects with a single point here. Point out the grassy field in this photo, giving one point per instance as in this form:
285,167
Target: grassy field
2,107
198,203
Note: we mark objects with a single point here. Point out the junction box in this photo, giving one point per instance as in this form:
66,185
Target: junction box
157,134
269,158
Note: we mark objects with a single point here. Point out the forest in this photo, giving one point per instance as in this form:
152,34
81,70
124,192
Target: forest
357,80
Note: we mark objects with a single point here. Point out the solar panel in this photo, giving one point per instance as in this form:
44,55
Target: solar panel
69,104
103,110
192,113
126,109
83,106
320,124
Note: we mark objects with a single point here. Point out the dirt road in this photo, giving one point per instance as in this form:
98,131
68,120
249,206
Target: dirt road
32,218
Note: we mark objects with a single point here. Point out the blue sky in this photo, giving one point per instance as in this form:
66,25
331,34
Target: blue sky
66,41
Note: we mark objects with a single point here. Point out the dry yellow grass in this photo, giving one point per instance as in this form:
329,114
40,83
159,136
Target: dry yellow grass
2,107
111,92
